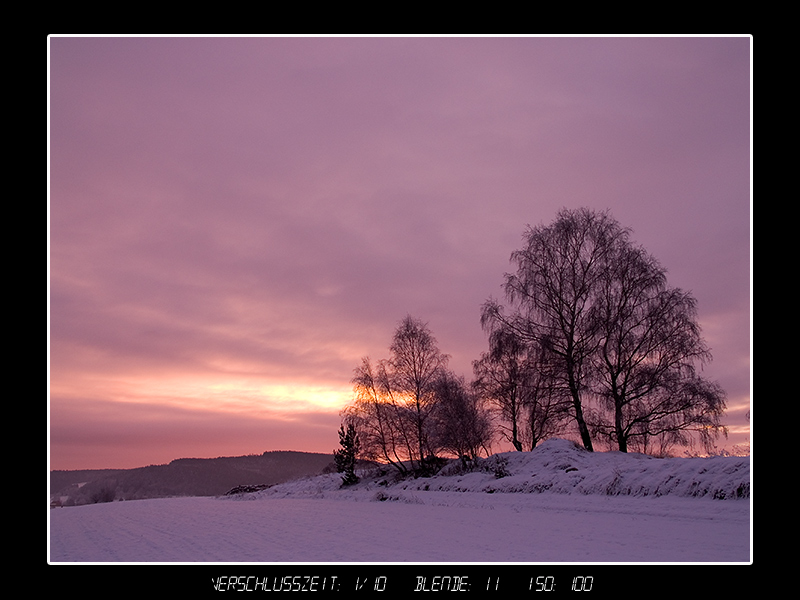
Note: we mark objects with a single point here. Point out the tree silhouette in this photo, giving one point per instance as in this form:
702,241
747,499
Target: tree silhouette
345,457
394,398
551,295
462,426
416,363
645,364
596,311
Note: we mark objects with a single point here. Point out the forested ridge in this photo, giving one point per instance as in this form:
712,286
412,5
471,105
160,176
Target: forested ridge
185,477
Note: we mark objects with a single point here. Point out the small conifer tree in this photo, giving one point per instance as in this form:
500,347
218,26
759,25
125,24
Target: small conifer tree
345,458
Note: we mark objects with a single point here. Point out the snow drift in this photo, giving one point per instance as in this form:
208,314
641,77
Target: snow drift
557,466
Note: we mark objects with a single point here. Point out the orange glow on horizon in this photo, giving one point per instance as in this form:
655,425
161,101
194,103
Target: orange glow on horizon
231,395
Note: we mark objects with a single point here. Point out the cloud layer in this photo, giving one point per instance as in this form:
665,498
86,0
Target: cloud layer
234,222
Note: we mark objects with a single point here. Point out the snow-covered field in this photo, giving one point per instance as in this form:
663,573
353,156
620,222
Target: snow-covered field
555,504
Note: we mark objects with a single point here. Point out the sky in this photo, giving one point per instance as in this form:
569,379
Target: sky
234,222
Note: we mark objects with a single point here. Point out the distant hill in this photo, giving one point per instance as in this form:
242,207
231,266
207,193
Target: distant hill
185,477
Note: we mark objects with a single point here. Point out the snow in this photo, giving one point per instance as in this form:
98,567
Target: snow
557,504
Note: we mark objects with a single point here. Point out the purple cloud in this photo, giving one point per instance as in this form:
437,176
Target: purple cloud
269,208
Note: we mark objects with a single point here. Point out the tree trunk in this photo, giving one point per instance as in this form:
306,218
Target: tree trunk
576,401
622,439
514,434
582,428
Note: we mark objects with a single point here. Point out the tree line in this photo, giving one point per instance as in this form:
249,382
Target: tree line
590,340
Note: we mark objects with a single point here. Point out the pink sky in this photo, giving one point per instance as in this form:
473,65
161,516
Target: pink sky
235,222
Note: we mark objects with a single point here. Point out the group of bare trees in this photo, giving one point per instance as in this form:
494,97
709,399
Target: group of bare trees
409,408
516,380
591,340
608,346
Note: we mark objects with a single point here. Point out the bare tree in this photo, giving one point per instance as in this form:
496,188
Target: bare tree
462,425
500,377
546,401
552,292
375,417
646,361
394,398
416,363
522,385
611,332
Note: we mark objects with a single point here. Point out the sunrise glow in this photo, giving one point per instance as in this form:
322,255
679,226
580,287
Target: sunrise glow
235,222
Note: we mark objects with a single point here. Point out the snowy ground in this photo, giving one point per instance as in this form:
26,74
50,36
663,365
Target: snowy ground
556,504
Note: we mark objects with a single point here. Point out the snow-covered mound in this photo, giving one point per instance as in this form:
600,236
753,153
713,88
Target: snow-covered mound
556,466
